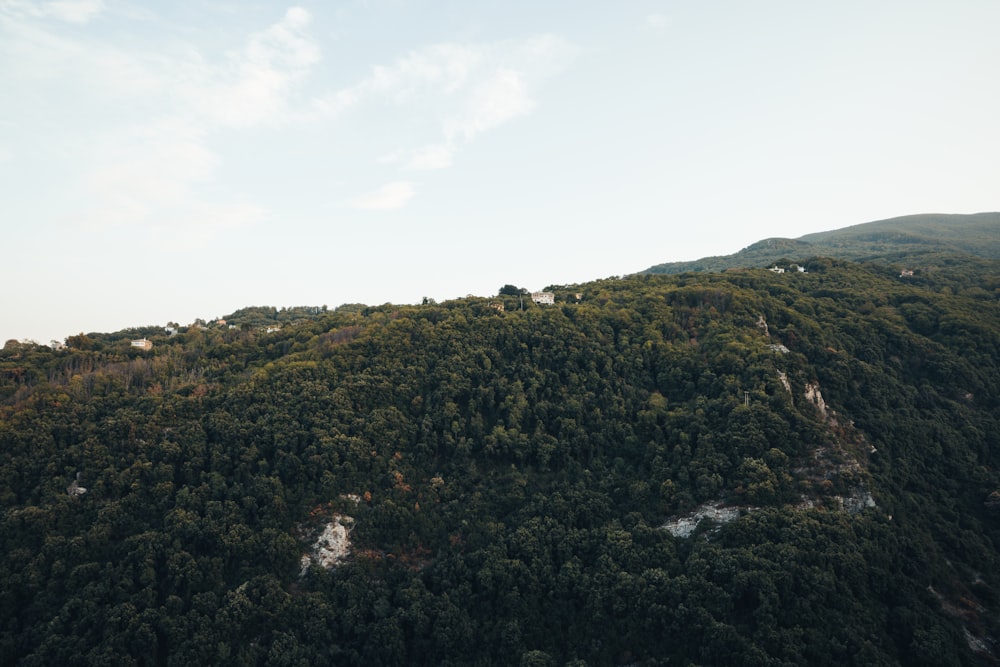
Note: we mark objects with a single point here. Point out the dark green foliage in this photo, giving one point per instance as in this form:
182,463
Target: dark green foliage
515,472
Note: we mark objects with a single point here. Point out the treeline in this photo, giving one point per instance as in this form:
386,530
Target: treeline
510,475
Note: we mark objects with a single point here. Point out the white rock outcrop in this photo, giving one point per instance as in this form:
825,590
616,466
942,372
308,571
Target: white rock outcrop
814,396
685,525
332,545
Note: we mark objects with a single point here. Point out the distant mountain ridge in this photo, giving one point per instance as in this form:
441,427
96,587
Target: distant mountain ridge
896,240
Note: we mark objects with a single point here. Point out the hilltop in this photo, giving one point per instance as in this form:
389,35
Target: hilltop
929,240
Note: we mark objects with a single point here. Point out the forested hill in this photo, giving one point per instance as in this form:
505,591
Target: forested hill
928,240
741,468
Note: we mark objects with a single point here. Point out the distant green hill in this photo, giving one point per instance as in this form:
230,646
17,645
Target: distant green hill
906,240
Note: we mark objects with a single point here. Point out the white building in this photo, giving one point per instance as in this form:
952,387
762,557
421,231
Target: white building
547,298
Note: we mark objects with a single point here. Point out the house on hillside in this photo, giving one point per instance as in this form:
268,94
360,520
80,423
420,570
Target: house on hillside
776,269
545,298
905,273
142,344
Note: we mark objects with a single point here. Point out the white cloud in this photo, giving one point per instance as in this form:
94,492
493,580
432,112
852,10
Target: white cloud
389,196
148,179
71,11
196,226
464,89
390,158
657,21
499,98
260,80
154,170
446,67
75,11
157,175
433,156
67,67
331,105
437,156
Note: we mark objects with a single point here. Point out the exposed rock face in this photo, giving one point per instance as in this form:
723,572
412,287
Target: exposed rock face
833,459
814,396
762,325
684,526
75,489
859,500
332,545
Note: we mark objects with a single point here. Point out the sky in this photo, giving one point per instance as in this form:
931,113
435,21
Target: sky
167,161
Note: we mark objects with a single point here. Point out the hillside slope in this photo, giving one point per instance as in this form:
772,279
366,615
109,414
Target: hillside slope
737,468
921,240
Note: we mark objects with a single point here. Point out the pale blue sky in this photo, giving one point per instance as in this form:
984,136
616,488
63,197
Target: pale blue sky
168,161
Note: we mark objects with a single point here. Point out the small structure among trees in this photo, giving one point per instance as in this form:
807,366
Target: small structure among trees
546,298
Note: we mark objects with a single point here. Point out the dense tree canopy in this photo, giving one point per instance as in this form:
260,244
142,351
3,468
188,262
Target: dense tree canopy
514,479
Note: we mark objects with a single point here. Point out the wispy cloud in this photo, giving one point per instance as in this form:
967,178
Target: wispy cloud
446,67
172,156
258,82
198,225
71,11
433,156
150,178
437,156
493,101
657,21
156,174
463,89
75,11
389,196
